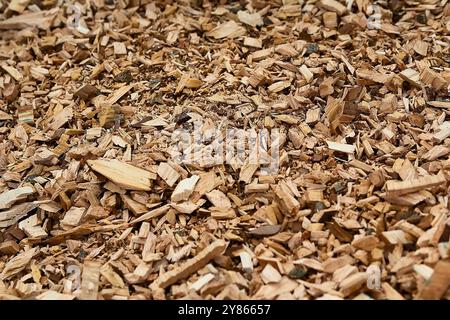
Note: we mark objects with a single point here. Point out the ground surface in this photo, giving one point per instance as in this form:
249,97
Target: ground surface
95,202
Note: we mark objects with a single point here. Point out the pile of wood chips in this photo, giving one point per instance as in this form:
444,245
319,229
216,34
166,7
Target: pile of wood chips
94,206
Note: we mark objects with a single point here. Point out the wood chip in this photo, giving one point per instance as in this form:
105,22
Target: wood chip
17,212
412,76
166,172
396,188
123,174
333,5
219,199
8,198
192,265
203,281
119,48
306,73
286,198
252,42
40,19
90,281
13,72
18,263
184,189
397,236
252,19
86,92
228,29
341,147
270,274
438,284
9,247
330,20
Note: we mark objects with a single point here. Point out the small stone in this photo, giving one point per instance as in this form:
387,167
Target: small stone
269,230
318,206
124,76
339,186
421,18
297,273
182,118
267,21
311,48
82,254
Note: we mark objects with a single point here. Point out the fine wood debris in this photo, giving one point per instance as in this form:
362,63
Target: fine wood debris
104,196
